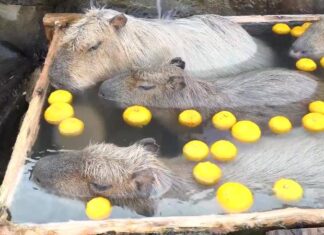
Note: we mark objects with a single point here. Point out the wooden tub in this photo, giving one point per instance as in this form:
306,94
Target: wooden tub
277,219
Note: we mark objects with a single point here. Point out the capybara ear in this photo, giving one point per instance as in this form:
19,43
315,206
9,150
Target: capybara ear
144,182
150,144
118,21
177,61
176,82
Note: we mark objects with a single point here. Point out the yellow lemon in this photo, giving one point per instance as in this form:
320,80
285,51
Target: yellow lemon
280,125
98,208
306,25
316,107
137,116
297,31
246,131
57,112
234,197
313,122
60,96
288,190
224,120
307,65
207,173
322,62
223,150
281,29
195,150
190,118
71,127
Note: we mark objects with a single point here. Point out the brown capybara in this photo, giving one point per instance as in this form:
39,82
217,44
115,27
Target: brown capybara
105,43
258,95
310,44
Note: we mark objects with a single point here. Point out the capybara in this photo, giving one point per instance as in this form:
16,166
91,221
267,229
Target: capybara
105,43
310,44
136,177
257,95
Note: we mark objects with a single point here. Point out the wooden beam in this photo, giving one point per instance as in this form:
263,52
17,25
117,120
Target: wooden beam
66,18
219,224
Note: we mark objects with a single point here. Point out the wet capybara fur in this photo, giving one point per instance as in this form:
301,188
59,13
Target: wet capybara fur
105,43
258,95
310,44
136,176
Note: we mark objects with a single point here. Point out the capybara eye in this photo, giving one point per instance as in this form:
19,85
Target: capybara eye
146,88
95,47
99,187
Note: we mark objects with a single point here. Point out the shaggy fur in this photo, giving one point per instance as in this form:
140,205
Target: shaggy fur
311,43
101,169
93,49
257,95
298,155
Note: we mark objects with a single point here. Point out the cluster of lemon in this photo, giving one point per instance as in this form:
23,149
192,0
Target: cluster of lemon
233,197
314,120
303,64
61,113
284,29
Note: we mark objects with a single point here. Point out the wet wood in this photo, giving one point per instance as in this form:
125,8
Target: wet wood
219,224
66,18
29,129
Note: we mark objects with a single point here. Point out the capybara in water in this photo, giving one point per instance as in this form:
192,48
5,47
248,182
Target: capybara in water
105,43
137,177
257,95
310,44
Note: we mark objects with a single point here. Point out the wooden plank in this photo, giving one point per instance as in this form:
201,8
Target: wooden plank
29,129
276,219
65,18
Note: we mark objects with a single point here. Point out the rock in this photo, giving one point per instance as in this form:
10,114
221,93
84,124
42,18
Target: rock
22,27
14,68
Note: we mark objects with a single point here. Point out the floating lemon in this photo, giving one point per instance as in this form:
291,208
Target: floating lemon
316,107
98,208
71,127
234,197
207,173
297,31
190,118
322,62
57,112
60,96
305,64
224,120
281,29
246,131
280,125
288,190
137,116
195,150
223,150
306,25
313,122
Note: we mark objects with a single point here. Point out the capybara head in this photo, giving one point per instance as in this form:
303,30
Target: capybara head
310,44
132,172
89,51
167,86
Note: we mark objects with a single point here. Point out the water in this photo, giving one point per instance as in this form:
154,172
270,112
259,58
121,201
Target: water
103,123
